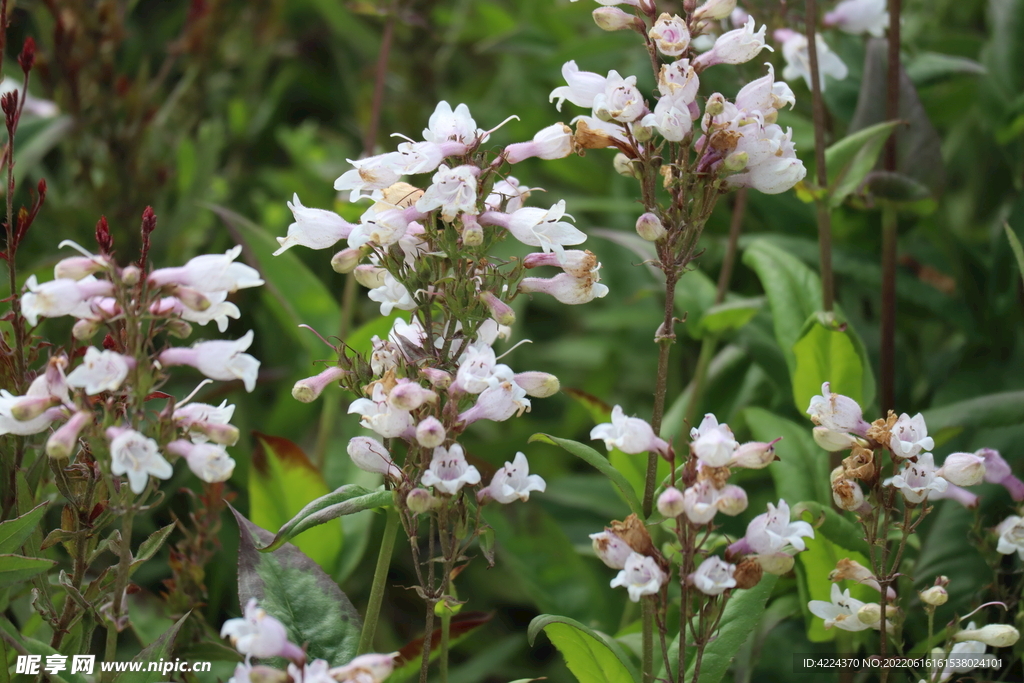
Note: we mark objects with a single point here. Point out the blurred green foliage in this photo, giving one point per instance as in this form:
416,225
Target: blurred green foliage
216,111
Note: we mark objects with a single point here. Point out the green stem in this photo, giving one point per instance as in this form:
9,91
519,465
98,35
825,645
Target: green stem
380,575
887,363
647,608
120,583
446,621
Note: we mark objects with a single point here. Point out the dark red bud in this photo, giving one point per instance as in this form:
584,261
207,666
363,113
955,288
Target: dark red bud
109,344
41,189
148,221
9,104
28,55
103,237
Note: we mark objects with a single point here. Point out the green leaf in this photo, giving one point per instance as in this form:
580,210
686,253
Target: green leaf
599,462
14,532
830,352
158,650
851,159
37,647
994,410
1018,252
801,474
589,656
292,588
742,614
282,481
346,500
18,568
930,67
151,545
834,526
729,316
817,561
793,290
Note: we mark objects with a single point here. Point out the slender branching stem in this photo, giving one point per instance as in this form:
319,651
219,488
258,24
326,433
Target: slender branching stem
887,374
380,575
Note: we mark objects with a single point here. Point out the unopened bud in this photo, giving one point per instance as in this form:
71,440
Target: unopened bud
715,105
625,167
611,549
870,614
346,260
641,133
613,19
131,274
777,563
996,635
30,408
369,276
220,433
832,440
309,389
649,227
430,432
370,455
85,329
472,233
714,10
421,501
732,500
77,267
267,674
500,311
963,469
538,384
180,329
934,596
61,443
754,455
439,379
847,494
670,503
409,395
736,162
191,298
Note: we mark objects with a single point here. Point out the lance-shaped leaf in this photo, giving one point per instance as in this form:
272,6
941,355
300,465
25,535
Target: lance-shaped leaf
599,462
346,500
830,351
157,651
851,159
18,568
14,532
589,656
295,590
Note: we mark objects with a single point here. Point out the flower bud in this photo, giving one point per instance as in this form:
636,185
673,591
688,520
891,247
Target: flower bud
500,311
732,500
670,503
309,389
61,443
472,233
996,635
430,432
777,563
224,434
439,379
714,10
641,133
649,227
421,501
179,329
191,298
963,469
624,166
847,494
408,395
611,549
77,267
85,329
537,384
30,408
754,455
370,455
934,596
870,614
613,19
736,162
131,274
369,276
264,674
748,573
715,105
346,260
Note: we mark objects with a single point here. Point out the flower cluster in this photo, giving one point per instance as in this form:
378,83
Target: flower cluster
258,634
98,392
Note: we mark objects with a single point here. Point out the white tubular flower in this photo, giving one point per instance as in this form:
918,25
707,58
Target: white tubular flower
513,482
370,455
219,311
700,502
916,480
100,371
628,434
538,384
714,576
446,125
210,462
476,369
734,47
507,191
713,443
313,228
62,443
773,532
545,228
137,456
566,288
379,226
210,273
859,16
670,35
670,502
753,455
309,389
641,576
909,436
963,469
833,441
423,157
620,101
370,175
765,96
449,471
317,671
994,635
221,360
382,418
453,190
837,412
679,80
391,295
671,118
258,634
582,88
1011,536
934,596
553,142
369,668
997,471
60,297
9,424
614,19
772,166
408,395
841,612
732,500
500,401
798,59
430,432
714,10
965,651
197,419
611,549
